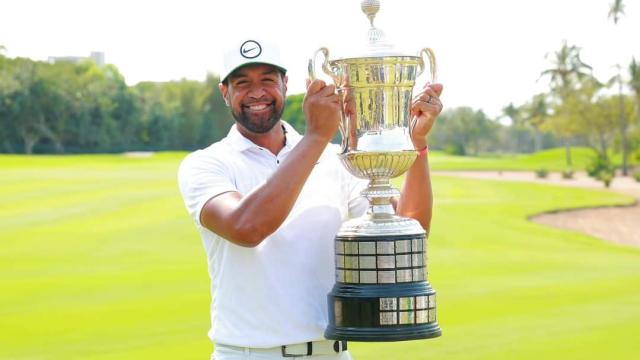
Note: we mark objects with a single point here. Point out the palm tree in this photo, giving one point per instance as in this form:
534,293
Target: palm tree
518,135
634,83
623,122
537,115
567,71
596,117
616,10
513,113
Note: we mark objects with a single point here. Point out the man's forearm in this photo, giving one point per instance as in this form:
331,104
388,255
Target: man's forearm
269,205
416,198
249,219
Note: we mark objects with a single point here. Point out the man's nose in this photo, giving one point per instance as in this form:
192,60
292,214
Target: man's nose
256,91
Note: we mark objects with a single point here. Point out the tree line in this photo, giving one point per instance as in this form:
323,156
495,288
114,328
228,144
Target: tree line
69,107
578,109
79,107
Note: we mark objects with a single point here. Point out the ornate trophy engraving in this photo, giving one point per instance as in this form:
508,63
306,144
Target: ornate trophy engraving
381,291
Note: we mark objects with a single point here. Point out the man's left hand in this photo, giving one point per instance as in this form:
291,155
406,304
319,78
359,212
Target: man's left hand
425,108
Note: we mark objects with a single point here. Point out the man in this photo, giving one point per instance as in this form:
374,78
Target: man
268,202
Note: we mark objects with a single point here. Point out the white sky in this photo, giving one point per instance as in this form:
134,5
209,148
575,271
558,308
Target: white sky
489,52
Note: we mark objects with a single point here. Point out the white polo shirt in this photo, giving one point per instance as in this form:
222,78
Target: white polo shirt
276,293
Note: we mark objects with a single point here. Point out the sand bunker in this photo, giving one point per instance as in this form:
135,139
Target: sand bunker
620,225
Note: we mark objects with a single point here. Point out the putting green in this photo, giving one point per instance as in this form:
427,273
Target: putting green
99,260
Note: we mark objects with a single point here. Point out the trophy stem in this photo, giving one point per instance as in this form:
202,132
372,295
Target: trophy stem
379,193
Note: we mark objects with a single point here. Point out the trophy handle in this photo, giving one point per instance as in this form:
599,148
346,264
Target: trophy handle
432,67
432,63
325,65
342,126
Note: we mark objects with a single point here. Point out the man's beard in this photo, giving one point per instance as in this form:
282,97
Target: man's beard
258,125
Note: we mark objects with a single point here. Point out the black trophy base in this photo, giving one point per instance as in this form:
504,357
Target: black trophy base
377,313
405,333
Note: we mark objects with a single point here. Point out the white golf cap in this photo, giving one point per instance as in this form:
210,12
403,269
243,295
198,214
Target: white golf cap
250,51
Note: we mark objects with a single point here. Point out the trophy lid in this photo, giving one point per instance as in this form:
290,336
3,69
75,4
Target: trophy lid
376,44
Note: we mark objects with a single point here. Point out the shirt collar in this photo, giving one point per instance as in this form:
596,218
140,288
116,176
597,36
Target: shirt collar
241,143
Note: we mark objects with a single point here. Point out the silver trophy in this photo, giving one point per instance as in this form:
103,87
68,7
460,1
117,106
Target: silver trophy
381,291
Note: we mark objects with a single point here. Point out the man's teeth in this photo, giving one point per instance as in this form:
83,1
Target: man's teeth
257,107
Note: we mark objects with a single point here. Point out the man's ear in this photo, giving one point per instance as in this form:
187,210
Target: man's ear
224,90
285,80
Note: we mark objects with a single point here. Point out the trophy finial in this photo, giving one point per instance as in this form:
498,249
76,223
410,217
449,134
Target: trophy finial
370,8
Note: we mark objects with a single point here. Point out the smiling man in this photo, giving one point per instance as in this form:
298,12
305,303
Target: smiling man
268,202
257,112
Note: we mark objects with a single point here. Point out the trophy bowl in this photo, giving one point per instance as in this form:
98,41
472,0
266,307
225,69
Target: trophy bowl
376,96
378,164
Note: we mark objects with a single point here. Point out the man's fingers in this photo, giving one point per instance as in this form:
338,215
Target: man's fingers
321,89
315,86
422,106
437,88
431,98
328,90
430,94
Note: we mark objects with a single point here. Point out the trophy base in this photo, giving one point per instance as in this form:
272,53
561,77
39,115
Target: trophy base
421,332
382,312
381,291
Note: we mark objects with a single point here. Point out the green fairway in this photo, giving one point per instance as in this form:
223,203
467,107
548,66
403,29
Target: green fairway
551,160
99,260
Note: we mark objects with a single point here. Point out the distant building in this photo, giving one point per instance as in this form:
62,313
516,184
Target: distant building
96,56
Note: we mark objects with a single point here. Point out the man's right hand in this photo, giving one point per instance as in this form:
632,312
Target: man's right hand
321,108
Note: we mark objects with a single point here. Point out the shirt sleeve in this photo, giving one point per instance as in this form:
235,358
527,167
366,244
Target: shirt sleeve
201,178
358,204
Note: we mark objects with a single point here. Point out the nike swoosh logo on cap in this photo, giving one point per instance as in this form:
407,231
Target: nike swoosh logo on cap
250,49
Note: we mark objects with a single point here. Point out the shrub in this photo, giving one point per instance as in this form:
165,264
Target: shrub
602,169
542,173
567,174
606,178
636,175
455,149
599,164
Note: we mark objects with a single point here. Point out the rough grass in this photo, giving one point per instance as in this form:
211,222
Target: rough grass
551,160
99,260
